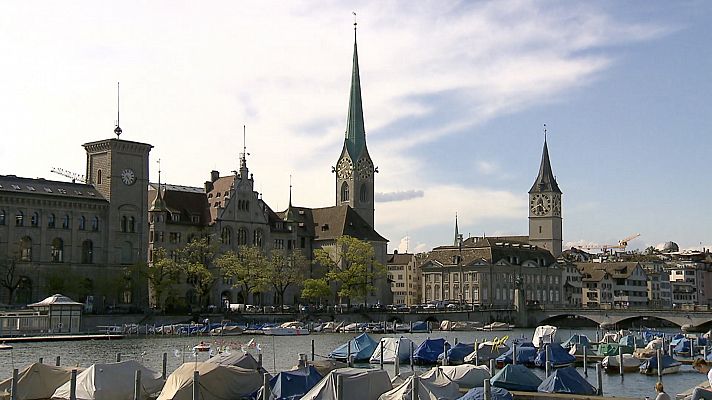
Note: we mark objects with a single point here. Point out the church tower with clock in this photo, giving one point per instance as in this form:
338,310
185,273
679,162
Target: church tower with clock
545,209
355,170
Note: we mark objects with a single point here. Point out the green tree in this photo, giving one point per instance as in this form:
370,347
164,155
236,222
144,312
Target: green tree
161,274
194,259
315,290
246,268
352,266
284,269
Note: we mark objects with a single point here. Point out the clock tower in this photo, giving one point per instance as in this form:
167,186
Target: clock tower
354,169
545,228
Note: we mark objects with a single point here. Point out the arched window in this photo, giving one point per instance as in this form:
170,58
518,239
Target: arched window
87,252
242,236
344,191
50,221
82,223
226,235
363,193
65,222
2,217
132,224
26,249
257,238
57,251
35,219
19,219
124,223
126,253
98,177
95,223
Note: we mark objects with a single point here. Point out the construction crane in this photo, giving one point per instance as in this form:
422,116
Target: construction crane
75,177
622,245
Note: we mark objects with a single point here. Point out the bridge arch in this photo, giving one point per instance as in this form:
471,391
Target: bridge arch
584,320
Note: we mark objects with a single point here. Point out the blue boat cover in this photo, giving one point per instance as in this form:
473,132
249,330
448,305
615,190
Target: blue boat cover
566,380
420,326
516,377
456,355
525,356
478,393
576,339
362,347
650,334
682,347
652,363
291,385
557,356
428,351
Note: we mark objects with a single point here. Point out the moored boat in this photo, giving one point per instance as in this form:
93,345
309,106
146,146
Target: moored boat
286,329
669,366
497,326
612,363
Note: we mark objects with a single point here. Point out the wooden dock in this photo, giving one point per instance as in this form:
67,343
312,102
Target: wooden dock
59,338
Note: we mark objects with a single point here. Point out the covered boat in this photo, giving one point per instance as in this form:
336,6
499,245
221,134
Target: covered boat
456,355
217,382
359,384
576,339
236,359
497,326
654,344
544,334
113,381
631,341
420,327
566,380
487,351
612,349
391,347
558,356
37,381
612,363
466,375
362,347
293,328
427,352
433,385
516,377
669,365
525,356
291,385
682,348
495,394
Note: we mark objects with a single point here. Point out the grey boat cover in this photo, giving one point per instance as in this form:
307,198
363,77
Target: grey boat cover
486,351
390,347
113,381
37,381
466,375
359,384
216,382
516,377
433,385
236,359
495,394
325,366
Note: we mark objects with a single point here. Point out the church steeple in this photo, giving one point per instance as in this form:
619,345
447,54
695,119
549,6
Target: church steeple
355,130
457,233
545,181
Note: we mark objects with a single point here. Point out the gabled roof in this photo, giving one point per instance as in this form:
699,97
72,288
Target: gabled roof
302,218
545,181
399,258
47,188
490,249
335,221
187,201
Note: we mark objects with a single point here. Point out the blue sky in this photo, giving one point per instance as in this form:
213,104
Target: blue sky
455,97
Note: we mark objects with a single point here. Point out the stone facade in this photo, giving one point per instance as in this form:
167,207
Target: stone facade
404,274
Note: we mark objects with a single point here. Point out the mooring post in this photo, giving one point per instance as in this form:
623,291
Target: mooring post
704,352
514,354
416,387
137,385
547,365
412,347
348,355
73,385
13,385
477,354
165,365
259,359
670,350
56,361
585,361
491,366
312,349
455,342
196,385
487,392
265,386
692,348
380,360
620,360
599,379
118,357
411,327
659,353
445,353
339,387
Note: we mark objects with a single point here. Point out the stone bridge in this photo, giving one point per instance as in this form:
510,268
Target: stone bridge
691,319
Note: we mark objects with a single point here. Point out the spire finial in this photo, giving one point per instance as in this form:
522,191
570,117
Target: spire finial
544,133
118,130
244,140
290,190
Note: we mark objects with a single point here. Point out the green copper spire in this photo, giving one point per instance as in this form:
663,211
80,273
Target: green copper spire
355,131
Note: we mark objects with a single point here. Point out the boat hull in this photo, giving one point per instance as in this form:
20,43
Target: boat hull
285,331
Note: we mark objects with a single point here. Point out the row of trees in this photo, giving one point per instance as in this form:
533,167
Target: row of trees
350,267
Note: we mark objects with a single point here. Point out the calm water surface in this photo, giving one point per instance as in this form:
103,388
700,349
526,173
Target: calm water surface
281,353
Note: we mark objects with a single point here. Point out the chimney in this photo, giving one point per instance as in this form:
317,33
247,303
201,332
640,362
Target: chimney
214,175
208,187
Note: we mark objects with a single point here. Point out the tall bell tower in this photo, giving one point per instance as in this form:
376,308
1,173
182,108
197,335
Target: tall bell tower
545,223
354,169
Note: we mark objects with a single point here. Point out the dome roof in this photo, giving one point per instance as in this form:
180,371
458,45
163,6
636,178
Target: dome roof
668,247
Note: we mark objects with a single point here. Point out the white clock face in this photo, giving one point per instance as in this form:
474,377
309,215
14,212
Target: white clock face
344,169
540,204
128,177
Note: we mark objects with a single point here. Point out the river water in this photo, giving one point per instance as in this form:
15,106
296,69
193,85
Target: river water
281,353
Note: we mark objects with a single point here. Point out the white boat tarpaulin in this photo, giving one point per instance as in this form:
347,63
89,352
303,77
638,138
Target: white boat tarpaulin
113,381
216,382
37,381
433,385
390,346
359,384
465,375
